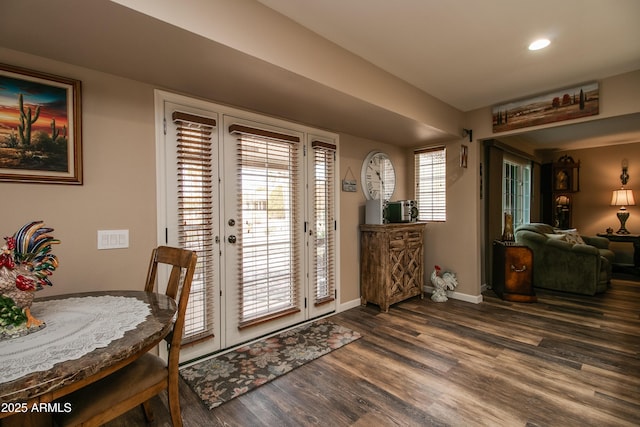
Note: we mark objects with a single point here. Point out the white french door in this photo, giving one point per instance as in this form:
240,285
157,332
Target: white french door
257,198
264,228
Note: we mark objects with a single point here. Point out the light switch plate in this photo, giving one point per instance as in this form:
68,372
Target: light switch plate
113,239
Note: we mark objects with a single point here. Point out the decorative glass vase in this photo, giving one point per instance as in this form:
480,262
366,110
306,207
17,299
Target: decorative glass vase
507,234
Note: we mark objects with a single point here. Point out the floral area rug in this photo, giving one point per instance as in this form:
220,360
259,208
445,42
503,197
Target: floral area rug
232,374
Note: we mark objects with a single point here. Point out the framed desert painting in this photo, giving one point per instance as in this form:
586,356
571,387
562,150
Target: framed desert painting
40,127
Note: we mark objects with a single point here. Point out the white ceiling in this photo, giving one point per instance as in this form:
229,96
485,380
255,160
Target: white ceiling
467,53
472,54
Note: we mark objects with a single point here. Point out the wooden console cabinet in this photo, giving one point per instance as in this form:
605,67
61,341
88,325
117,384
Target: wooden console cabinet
391,266
513,272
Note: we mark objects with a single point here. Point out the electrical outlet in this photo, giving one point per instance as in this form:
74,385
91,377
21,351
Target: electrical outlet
113,239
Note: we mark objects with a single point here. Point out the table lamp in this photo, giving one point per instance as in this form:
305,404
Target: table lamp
622,198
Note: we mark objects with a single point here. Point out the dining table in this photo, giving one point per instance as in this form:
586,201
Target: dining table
86,337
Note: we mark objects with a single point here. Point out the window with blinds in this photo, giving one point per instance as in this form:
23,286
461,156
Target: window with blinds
195,224
430,179
324,231
269,216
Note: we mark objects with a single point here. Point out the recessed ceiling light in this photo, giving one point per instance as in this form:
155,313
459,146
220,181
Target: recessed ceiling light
539,44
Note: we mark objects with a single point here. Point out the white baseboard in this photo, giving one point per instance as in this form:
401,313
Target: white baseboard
348,305
474,299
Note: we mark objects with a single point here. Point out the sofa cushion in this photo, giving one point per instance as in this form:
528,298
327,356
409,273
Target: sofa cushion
556,236
537,227
572,236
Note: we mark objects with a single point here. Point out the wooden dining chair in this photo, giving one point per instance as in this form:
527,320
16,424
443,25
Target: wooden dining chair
147,376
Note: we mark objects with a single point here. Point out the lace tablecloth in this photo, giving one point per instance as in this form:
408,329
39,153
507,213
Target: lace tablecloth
75,327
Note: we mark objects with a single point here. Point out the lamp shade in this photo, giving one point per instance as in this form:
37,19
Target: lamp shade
622,197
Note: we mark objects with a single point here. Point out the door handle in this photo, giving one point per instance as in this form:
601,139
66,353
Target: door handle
518,270
232,239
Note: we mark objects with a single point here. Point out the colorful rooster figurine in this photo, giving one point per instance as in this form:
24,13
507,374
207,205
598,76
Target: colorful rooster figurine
26,262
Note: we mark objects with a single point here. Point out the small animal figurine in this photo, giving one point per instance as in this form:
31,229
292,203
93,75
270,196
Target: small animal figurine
448,281
26,262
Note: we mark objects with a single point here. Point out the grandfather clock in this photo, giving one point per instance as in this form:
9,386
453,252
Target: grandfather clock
560,180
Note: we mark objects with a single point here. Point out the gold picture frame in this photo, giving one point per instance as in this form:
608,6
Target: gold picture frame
40,127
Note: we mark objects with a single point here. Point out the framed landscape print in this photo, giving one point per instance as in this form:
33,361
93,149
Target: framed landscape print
565,104
40,127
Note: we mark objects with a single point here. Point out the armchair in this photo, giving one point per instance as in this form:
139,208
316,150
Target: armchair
561,264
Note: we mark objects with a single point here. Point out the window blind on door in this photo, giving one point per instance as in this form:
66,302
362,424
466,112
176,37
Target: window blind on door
324,231
195,216
268,181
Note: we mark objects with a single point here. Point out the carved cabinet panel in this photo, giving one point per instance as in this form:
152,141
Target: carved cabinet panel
391,266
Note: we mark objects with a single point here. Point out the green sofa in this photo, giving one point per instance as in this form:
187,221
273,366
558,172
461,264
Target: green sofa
563,265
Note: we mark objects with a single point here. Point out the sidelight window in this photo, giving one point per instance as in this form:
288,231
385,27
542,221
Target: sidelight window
323,230
194,146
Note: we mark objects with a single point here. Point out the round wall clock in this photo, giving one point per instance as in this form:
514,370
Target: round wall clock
378,176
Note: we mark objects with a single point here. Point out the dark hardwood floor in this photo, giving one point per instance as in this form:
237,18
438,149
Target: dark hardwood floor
567,360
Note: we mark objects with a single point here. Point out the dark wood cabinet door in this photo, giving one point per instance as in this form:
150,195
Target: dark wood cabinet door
513,272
